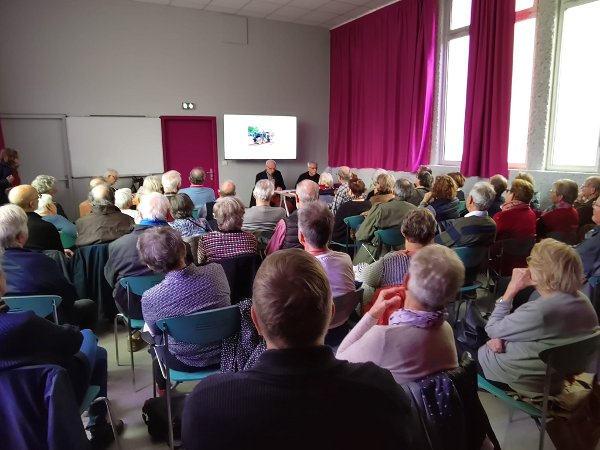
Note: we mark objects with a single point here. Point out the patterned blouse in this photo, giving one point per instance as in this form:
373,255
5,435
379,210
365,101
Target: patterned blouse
190,226
387,271
219,245
186,291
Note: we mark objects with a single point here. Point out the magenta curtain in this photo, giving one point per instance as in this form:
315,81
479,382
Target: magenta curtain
381,87
487,115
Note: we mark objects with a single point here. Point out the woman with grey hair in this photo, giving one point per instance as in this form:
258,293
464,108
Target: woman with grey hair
418,341
46,184
124,201
229,240
186,289
182,208
47,209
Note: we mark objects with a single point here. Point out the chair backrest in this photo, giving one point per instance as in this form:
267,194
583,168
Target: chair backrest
139,284
354,222
572,358
240,271
391,236
344,305
193,242
41,305
462,205
209,210
67,240
204,327
568,237
507,254
474,259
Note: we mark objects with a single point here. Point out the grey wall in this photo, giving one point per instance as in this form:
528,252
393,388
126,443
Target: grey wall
119,57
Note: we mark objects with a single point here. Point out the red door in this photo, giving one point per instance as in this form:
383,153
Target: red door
189,142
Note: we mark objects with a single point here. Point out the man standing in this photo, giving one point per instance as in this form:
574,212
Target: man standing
200,194
273,175
311,174
297,395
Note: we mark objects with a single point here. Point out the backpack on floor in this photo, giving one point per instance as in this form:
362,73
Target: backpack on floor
154,413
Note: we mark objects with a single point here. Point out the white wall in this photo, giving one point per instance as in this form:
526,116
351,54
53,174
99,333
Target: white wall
120,57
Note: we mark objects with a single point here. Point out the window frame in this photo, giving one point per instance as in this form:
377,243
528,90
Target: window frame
563,6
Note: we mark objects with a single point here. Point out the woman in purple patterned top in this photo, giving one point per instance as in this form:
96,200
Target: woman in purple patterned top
186,289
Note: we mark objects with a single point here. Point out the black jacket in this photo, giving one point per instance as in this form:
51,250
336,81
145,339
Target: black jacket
42,235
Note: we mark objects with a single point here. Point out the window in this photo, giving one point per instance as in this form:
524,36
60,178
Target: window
458,21
575,133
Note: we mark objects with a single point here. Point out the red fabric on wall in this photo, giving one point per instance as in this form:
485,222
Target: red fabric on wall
489,82
382,80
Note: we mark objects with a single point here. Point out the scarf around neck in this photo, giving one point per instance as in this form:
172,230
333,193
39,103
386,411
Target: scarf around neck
514,204
418,319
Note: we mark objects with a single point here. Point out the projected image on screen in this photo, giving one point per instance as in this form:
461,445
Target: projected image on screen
259,137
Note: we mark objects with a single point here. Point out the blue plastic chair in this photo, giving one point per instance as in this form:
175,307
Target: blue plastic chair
475,260
352,223
41,305
136,285
202,328
390,237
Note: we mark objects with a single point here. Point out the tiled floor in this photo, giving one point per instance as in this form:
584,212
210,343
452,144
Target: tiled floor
518,434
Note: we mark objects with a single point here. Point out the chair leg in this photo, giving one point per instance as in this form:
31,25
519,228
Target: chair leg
545,403
111,419
129,333
115,330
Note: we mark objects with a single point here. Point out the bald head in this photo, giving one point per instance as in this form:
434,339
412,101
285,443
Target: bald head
24,196
101,195
307,191
344,174
227,189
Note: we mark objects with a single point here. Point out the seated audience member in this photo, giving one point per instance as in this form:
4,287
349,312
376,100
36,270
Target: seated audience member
434,276
152,183
124,201
342,195
171,182
589,250
560,218
182,209
229,240
381,216
357,205
374,176
516,220
85,207
106,222
28,339
424,181
315,224
48,212
123,258
418,229
325,182
535,201
9,175
459,179
227,189
590,191
510,358
296,369
273,175
311,174
500,184
42,235
442,199
384,189
186,289
477,228
200,194
263,216
46,184
33,273
285,234
111,176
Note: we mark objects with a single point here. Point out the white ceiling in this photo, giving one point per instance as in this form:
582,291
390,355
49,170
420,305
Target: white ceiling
323,13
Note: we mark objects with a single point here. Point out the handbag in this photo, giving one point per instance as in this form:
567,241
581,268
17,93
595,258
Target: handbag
468,324
155,416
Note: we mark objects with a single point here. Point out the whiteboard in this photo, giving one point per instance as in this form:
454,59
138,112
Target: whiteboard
131,145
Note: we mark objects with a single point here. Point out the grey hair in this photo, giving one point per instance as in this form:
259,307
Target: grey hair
229,213
153,206
101,195
344,173
435,275
110,172
44,184
152,183
307,191
326,179
197,175
171,181
403,189
263,190
123,198
270,161
483,195
312,162
44,201
315,220
13,221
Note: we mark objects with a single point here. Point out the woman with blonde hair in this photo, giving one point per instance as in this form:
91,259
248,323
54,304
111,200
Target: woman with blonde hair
384,189
510,358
